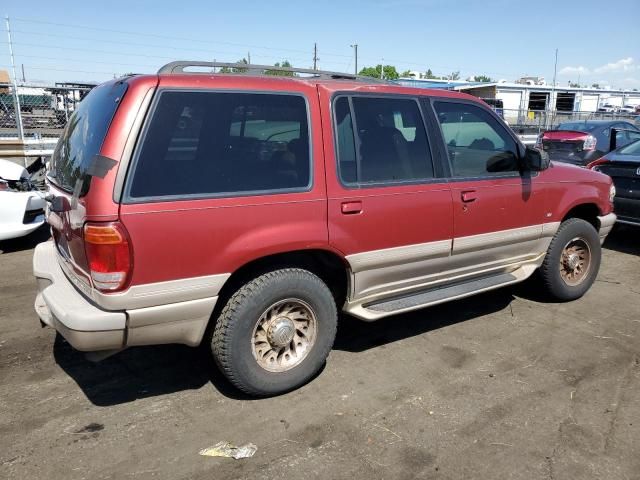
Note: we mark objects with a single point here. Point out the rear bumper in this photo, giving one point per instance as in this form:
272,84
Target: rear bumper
87,327
606,224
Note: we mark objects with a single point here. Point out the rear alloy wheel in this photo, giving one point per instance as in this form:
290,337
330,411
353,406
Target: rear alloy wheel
572,261
275,332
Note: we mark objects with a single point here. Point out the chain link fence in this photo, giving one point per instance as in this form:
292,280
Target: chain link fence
43,110
534,122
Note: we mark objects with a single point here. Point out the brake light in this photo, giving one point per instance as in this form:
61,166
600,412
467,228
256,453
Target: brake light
538,144
589,143
109,255
595,165
4,186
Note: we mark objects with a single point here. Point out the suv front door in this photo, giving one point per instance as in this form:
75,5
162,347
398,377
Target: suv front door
387,212
498,212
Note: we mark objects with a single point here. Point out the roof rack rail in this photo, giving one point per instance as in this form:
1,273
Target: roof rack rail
252,69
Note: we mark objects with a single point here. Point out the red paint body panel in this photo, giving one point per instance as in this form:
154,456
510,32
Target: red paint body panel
568,135
190,238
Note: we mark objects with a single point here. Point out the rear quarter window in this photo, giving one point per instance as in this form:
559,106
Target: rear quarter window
204,144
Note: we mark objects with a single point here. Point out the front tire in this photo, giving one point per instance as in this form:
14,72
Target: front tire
572,261
275,332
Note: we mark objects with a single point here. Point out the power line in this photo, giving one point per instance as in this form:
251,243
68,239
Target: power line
154,35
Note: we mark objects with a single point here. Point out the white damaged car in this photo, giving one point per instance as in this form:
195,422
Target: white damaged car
21,202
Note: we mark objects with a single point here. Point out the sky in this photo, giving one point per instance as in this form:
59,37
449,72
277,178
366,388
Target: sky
503,39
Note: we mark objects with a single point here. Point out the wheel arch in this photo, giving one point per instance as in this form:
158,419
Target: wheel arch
329,266
587,211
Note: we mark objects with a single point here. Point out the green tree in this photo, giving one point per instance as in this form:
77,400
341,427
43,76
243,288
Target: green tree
279,73
454,76
430,75
406,73
389,72
482,78
595,85
574,84
235,69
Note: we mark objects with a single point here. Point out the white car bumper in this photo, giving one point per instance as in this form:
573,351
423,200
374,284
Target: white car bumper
20,213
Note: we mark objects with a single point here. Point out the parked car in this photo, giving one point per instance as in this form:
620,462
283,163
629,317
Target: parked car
623,166
608,108
283,200
585,141
627,109
21,203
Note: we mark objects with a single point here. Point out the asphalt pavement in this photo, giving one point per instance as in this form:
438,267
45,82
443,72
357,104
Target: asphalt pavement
501,385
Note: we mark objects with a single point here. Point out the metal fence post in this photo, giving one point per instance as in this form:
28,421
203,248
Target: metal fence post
16,97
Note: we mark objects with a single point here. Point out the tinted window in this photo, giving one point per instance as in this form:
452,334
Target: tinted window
476,142
83,136
578,126
390,144
206,143
631,149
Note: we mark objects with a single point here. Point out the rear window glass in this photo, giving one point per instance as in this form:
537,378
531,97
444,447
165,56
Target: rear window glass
82,138
631,149
220,144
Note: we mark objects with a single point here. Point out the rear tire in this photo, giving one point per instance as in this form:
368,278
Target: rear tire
572,261
275,332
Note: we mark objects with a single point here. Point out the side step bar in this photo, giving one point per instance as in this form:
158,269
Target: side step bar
383,308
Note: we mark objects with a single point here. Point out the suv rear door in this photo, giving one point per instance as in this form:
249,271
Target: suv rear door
497,211
388,212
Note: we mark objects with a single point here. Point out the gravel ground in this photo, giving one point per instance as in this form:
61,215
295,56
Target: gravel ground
501,385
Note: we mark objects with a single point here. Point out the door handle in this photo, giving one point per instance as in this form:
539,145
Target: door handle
468,196
351,208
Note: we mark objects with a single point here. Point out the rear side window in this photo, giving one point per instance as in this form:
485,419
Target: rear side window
222,144
380,140
476,143
83,136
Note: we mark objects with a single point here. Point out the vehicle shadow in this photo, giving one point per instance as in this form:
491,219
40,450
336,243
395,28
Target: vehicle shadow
141,372
152,371
624,239
28,242
355,335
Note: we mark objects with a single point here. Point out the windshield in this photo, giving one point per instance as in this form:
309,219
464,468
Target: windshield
578,126
631,149
82,138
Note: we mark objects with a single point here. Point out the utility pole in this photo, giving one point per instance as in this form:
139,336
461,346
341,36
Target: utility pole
355,50
23,77
249,58
552,99
382,70
16,98
315,56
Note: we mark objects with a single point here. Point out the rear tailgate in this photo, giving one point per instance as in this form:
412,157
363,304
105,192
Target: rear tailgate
564,145
93,140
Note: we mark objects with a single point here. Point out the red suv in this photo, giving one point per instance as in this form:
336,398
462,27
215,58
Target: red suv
242,211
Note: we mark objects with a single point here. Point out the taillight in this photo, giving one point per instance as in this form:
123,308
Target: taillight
108,254
589,143
595,165
4,186
538,144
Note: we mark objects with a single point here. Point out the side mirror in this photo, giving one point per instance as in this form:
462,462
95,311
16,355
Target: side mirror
535,160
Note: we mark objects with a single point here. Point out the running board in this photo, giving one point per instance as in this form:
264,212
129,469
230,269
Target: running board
433,296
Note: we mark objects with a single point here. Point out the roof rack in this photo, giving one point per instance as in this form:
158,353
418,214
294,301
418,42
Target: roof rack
251,69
